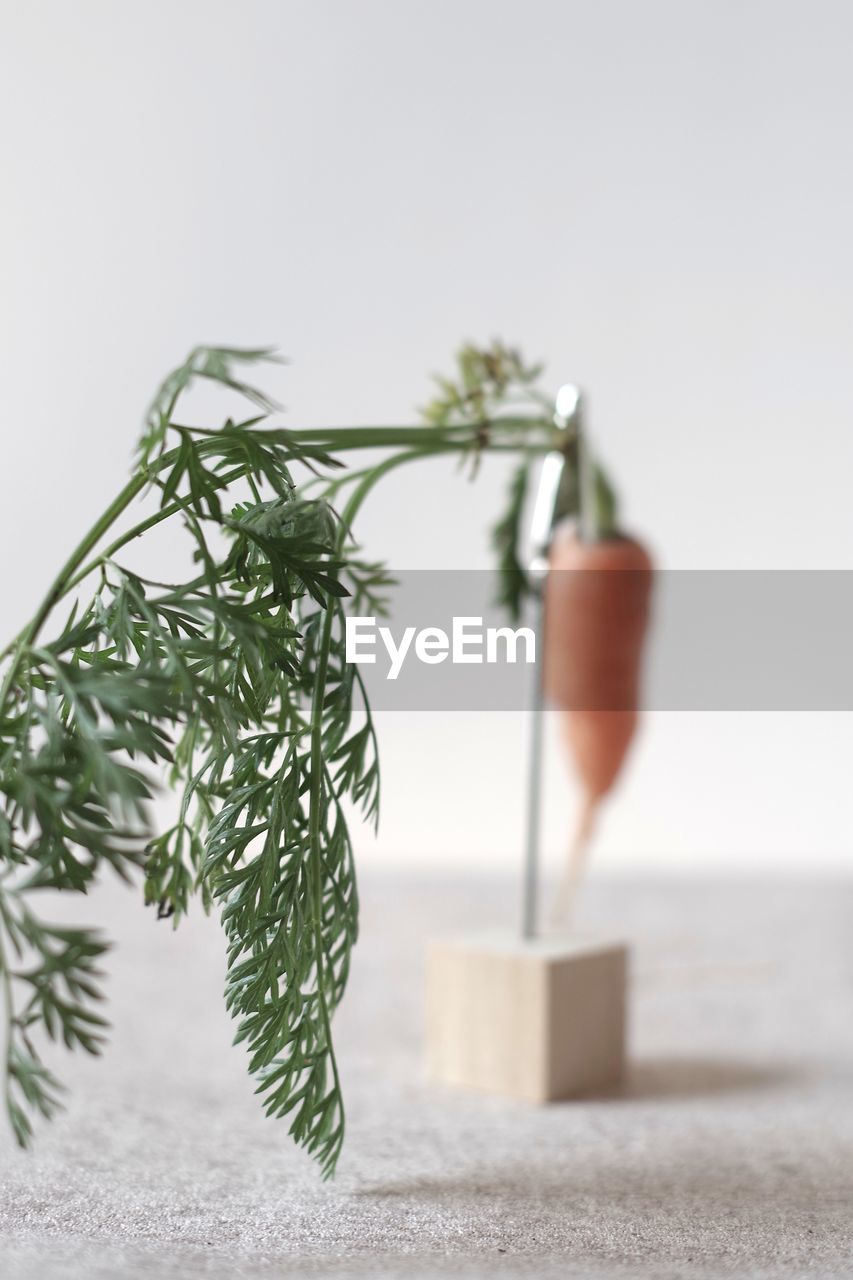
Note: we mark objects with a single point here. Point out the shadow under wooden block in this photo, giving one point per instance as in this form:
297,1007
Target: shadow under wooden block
538,1019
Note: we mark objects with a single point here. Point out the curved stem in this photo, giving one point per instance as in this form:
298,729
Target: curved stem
59,584
87,543
363,488
346,438
172,508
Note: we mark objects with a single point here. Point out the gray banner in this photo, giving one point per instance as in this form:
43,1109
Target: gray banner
717,641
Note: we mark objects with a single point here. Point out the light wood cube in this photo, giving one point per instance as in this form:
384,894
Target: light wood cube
540,1020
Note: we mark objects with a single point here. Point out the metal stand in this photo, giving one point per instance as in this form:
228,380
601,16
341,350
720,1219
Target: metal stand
568,411
530,893
525,1016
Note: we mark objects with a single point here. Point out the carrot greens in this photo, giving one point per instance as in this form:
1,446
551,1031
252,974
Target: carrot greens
230,687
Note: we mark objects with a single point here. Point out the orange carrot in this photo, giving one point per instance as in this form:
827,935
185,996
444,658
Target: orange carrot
596,613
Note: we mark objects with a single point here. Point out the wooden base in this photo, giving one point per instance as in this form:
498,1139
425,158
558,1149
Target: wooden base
540,1019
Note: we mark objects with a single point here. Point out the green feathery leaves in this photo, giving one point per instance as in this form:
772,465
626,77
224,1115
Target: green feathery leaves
486,380
209,680
229,685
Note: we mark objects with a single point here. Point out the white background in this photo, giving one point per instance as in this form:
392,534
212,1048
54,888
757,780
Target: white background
656,198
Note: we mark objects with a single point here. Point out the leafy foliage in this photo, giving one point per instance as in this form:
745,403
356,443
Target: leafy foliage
231,685
486,378
210,679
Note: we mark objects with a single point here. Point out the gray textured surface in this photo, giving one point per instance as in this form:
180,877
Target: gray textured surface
731,1153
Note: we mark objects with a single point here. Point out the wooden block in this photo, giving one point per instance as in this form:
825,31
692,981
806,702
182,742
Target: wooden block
540,1019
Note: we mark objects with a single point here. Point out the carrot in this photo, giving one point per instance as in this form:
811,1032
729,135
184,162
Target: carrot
597,598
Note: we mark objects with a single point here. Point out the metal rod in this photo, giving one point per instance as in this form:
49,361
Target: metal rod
587,506
568,406
530,897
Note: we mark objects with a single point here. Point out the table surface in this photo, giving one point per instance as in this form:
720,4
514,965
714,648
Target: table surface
729,1153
